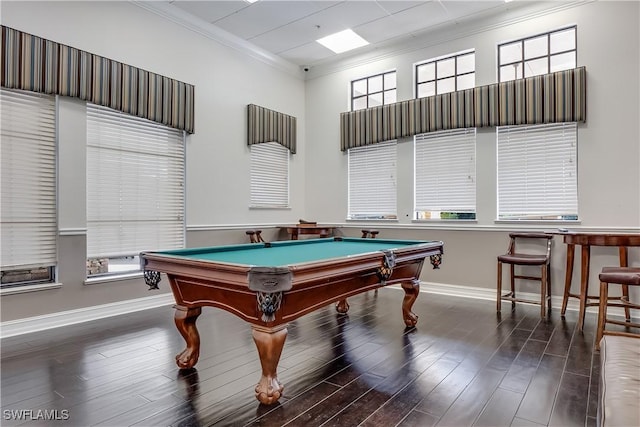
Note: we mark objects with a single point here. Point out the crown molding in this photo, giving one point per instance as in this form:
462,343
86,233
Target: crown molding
212,32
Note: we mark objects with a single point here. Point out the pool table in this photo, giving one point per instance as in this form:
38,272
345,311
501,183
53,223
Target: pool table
270,284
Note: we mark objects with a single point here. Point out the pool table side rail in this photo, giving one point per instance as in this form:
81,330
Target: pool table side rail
197,283
283,243
236,273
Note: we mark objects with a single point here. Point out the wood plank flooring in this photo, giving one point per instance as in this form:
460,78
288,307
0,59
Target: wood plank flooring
463,365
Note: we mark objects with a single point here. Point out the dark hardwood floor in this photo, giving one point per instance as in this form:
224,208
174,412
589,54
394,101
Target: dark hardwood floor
463,365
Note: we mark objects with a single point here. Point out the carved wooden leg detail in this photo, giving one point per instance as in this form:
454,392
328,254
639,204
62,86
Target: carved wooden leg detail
411,290
342,306
269,342
185,319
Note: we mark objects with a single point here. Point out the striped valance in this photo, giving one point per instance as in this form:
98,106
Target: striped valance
38,65
266,125
549,98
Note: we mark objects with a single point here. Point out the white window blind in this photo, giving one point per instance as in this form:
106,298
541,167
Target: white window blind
28,161
537,171
135,184
372,181
445,171
269,175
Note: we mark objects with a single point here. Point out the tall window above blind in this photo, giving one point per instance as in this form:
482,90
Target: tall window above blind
135,189
537,172
372,181
537,164
28,216
372,168
539,54
446,74
379,89
445,174
269,175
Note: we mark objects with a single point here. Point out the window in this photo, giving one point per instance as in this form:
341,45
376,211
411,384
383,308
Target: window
540,54
445,177
537,165
28,161
445,174
372,181
373,91
446,74
269,175
135,190
537,172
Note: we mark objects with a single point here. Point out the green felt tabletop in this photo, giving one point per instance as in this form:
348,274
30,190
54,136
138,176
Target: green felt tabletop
289,252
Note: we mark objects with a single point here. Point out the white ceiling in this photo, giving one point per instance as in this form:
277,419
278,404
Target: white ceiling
289,29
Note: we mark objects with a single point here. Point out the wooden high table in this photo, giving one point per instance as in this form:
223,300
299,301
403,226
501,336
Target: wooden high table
320,230
586,240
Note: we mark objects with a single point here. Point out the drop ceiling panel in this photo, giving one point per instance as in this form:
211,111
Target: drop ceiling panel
318,25
393,6
460,9
307,54
210,11
264,16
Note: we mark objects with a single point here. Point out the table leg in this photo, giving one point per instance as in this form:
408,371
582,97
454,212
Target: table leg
269,342
584,283
411,291
568,276
185,319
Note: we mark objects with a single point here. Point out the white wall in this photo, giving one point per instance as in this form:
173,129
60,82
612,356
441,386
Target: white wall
608,143
225,80
608,151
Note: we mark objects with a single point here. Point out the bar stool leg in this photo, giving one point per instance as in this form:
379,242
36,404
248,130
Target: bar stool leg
513,286
499,298
543,291
602,312
625,296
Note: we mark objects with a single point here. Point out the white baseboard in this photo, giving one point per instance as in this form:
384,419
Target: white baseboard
490,294
71,317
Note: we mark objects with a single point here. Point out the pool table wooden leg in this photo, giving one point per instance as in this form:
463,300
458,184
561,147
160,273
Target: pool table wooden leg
269,342
411,291
342,306
185,319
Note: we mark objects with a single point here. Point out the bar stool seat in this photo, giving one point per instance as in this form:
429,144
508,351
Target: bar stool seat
625,276
515,258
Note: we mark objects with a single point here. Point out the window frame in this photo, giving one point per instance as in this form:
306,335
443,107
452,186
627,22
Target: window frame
573,154
22,274
370,153
260,195
548,55
368,93
123,132
455,56
458,138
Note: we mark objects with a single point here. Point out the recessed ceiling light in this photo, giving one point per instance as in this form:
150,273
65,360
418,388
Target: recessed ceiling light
342,41
251,1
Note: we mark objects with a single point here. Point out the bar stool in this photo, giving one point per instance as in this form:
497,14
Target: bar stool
514,258
254,236
367,233
625,276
